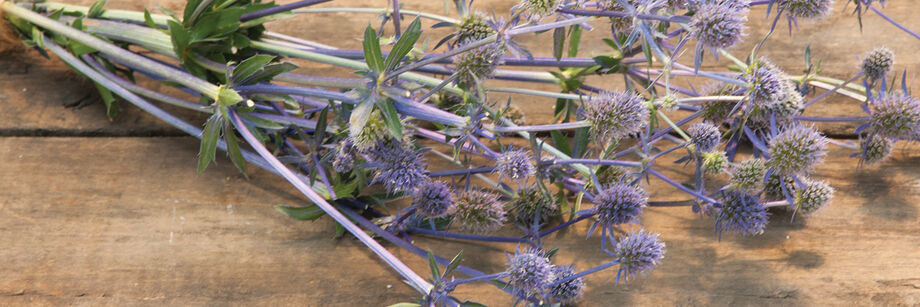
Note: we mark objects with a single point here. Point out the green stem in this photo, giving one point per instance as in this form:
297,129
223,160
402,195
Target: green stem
673,126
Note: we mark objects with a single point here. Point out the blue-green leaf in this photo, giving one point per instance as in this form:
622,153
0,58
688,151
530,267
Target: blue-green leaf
404,44
96,10
308,213
209,136
372,54
233,147
558,42
391,117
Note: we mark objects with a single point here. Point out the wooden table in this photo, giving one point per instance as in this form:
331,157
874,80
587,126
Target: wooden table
99,212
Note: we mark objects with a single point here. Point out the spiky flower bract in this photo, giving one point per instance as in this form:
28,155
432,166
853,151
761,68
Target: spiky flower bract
473,27
620,203
529,272
398,167
805,9
344,159
877,63
609,174
537,9
615,115
748,175
569,291
639,252
719,23
796,150
768,84
531,202
515,164
875,150
479,212
374,131
815,195
433,199
742,213
715,161
478,64
705,136
895,116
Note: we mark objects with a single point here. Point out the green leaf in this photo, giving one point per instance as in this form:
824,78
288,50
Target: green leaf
261,122
360,115
111,108
227,96
582,137
249,67
339,230
391,117
215,24
345,190
96,10
433,264
558,42
209,136
372,54
454,263
180,37
193,8
405,305
148,20
561,142
268,72
308,213
472,304
233,147
404,44
574,40
321,123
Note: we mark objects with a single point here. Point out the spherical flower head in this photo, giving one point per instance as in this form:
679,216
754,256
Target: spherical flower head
815,195
741,213
609,174
748,175
719,23
639,252
806,9
705,136
614,115
566,292
478,64
537,9
433,199
875,150
529,272
473,27
530,202
478,212
773,188
374,131
398,167
667,102
895,116
515,164
344,159
781,112
619,24
619,204
714,161
717,112
878,62
796,150
768,84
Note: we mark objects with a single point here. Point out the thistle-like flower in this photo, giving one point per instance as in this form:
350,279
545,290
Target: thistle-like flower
768,84
742,213
374,131
515,164
569,291
748,175
805,9
531,202
614,115
433,199
619,24
619,204
815,195
473,27
639,252
529,272
478,64
537,9
719,23
796,150
344,159
397,167
705,136
895,116
479,212
609,174
878,62
781,112
875,150
715,161
773,187
717,111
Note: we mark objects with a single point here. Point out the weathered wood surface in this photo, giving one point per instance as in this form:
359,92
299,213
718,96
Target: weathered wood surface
124,220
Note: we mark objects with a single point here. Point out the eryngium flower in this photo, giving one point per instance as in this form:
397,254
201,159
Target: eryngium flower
609,174
473,27
768,84
344,159
796,150
397,167
478,212
619,24
566,292
478,64
714,161
748,175
815,195
877,63
895,116
530,202
433,199
719,23
639,252
619,204
704,136
375,131
515,164
537,9
806,9
773,188
742,213
782,112
529,272
667,102
614,115
875,150
717,111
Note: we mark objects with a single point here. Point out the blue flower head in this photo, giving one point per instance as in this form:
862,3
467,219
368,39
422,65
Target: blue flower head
895,116
515,164
768,84
805,9
397,167
875,150
748,175
478,64
478,212
639,252
529,272
344,159
717,111
719,23
796,150
433,199
620,204
705,136
814,196
741,213
615,115
473,27
530,202
569,291
878,62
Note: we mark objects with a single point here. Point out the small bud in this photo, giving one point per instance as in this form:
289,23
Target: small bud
875,150
748,175
895,116
719,23
473,27
796,150
433,199
705,136
531,202
667,103
529,273
878,62
515,164
615,115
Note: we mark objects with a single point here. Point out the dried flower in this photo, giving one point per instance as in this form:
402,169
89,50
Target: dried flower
478,211
719,23
614,115
529,272
748,175
875,150
796,150
815,195
639,252
530,202
878,62
515,164
742,213
398,167
895,116
433,199
569,291
705,136
619,204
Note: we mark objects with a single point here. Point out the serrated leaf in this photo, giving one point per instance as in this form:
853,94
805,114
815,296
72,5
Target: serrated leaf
558,42
227,96
433,264
391,117
372,54
111,108
96,10
360,115
249,66
454,263
180,37
404,44
209,136
233,147
308,213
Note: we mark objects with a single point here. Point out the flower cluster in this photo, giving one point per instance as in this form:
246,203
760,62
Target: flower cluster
615,115
433,199
400,168
619,204
742,213
719,23
796,150
895,116
478,211
639,252
877,63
